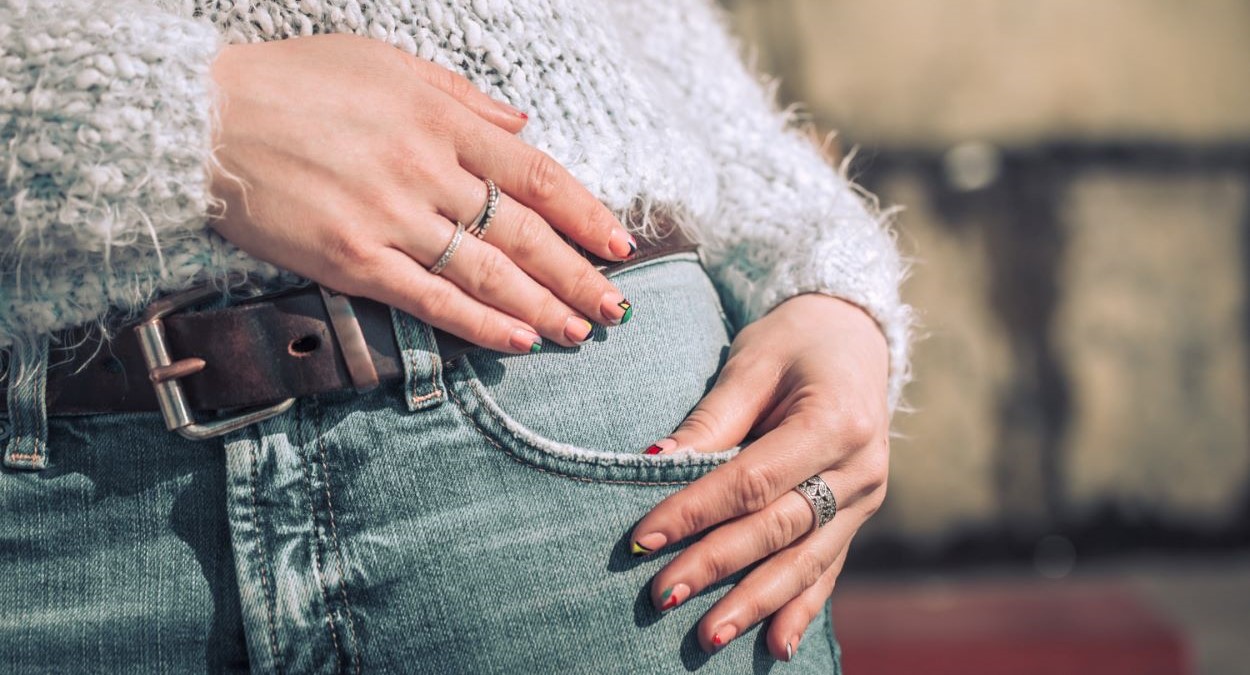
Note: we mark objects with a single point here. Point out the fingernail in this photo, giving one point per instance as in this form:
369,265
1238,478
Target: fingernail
633,246
577,329
525,341
616,309
724,636
647,544
792,648
621,244
510,110
661,446
673,596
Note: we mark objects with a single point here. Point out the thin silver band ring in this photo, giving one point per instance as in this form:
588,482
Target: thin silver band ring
452,247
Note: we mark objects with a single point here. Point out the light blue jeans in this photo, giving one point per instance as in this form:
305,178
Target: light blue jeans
469,519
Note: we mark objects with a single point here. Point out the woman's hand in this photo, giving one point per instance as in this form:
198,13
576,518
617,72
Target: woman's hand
809,380
348,161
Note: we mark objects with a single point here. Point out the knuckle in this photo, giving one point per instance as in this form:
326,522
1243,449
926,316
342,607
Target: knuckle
457,86
712,567
542,182
589,282
808,565
875,468
783,528
756,486
701,423
491,275
350,252
527,239
858,425
409,161
873,502
600,221
434,303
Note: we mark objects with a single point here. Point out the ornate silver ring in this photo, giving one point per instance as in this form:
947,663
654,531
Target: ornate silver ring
482,221
452,247
818,495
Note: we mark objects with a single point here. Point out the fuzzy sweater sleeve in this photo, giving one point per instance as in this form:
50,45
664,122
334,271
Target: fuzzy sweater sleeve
785,222
105,135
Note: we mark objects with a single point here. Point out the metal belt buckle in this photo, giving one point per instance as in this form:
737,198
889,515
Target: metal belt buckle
165,372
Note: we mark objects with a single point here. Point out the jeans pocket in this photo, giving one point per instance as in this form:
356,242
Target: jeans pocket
589,412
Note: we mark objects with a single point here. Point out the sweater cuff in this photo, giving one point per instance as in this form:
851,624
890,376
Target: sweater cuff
866,276
106,108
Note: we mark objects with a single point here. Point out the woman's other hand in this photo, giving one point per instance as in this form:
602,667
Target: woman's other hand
809,380
349,161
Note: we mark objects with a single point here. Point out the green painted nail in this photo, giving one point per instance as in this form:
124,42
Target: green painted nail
629,311
536,347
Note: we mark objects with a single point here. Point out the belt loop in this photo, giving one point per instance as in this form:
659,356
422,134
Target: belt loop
27,445
423,365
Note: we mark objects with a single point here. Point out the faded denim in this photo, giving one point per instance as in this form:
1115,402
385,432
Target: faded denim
470,519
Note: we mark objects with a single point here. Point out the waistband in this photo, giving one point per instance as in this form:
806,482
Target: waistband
262,351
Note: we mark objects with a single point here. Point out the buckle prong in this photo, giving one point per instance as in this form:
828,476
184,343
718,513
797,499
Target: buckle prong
165,372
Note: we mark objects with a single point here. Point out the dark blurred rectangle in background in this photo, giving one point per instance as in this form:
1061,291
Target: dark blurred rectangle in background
1076,179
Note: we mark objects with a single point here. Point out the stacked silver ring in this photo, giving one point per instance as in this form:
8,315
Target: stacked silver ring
452,246
478,227
818,495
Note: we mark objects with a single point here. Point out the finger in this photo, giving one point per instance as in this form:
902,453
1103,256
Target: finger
458,87
534,179
775,582
789,623
749,482
743,391
396,279
488,275
536,248
740,543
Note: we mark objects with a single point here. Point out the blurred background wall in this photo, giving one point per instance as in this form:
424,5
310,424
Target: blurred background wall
1076,179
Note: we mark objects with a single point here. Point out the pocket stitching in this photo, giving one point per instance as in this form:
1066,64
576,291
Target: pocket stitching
521,460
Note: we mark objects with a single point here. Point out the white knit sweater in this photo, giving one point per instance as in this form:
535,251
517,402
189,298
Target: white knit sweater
105,110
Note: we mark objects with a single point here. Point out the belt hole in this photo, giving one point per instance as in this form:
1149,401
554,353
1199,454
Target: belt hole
304,346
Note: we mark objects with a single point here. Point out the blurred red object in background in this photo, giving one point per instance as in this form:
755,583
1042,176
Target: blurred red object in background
1003,628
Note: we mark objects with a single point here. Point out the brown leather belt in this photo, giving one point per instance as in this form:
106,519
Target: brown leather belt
262,350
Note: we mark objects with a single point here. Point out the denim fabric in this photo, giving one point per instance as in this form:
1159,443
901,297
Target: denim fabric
470,519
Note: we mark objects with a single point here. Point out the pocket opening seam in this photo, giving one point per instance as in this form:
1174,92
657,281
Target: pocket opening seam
528,464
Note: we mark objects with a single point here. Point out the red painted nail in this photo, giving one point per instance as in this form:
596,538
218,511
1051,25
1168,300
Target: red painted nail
660,446
724,636
522,115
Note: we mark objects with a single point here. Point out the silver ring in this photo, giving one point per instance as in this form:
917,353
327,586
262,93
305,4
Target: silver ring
452,246
482,221
818,495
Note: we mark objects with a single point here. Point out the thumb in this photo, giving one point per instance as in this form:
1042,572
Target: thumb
458,87
723,418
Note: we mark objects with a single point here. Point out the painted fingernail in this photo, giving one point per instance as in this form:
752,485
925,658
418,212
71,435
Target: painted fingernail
647,544
633,246
724,636
510,110
621,244
577,329
673,596
789,652
525,341
661,446
792,647
616,309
